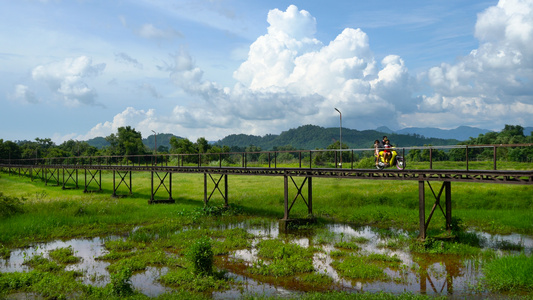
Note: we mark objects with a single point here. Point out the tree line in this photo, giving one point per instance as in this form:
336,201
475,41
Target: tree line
510,135
128,141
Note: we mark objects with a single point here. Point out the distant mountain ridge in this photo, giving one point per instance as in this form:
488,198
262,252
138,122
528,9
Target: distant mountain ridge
313,137
461,133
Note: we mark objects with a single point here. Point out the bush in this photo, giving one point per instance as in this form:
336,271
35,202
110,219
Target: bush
10,205
121,282
366,163
201,256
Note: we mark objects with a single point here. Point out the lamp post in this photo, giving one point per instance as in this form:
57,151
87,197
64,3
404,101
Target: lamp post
155,146
340,133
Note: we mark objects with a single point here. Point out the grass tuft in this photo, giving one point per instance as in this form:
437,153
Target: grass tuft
509,273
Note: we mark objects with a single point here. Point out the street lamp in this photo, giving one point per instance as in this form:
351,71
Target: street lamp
155,147
340,133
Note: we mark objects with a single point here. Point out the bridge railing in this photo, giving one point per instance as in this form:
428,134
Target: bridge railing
480,157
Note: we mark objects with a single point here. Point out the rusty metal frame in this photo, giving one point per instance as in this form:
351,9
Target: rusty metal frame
93,178
308,202
52,175
70,175
161,184
216,187
447,189
25,172
37,171
122,180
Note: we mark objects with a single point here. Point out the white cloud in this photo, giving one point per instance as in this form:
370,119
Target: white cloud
66,78
290,78
141,120
491,82
24,94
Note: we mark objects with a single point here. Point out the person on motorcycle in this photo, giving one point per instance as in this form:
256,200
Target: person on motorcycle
377,150
381,145
387,152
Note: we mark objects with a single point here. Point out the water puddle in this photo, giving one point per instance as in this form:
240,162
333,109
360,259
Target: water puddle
94,271
418,273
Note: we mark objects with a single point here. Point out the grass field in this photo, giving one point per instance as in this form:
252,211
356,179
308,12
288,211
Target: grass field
33,211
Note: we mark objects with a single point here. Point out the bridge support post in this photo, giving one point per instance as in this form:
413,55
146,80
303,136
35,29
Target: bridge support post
286,222
39,173
52,176
422,210
216,187
122,180
70,175
161,184
93,178
447,189
308,202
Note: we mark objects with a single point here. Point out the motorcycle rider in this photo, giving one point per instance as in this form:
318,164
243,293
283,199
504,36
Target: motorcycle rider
387,152
376,150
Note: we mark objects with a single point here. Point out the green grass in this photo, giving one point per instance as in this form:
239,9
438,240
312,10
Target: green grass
510,273
164,232
278,258
50,212
64,255
359,268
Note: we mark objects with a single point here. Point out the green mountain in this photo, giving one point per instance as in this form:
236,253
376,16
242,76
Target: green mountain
312,137
163,140
98,142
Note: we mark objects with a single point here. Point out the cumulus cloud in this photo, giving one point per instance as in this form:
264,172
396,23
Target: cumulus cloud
138,119
494,81
289,78
24,94
66,78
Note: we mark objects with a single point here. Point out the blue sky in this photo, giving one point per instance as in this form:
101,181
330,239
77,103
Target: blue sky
81,69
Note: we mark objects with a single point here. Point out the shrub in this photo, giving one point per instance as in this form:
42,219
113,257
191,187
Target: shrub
201,256
10,205
366,163
121,282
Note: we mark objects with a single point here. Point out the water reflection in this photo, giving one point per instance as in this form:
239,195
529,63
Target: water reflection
418,273
94,270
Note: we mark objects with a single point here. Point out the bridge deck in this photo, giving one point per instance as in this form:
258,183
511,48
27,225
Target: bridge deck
487,176
161,177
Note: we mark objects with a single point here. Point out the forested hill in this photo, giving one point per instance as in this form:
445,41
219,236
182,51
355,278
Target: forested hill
313,137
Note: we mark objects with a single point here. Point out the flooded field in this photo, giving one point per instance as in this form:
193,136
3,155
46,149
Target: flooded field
399,268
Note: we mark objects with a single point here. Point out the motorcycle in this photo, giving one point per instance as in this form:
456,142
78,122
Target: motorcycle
395,160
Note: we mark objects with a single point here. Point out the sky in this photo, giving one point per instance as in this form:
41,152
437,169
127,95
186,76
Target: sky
79,69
